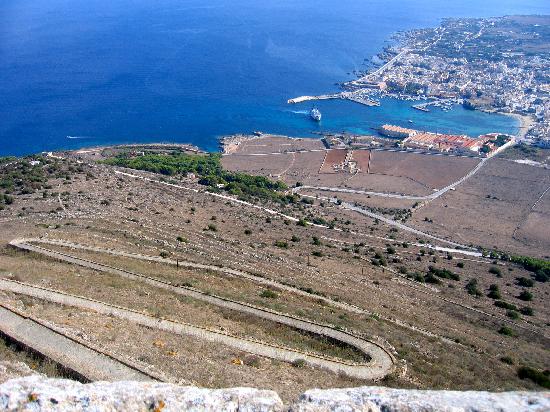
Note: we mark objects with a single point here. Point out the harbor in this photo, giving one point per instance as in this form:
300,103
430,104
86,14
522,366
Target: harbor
444,104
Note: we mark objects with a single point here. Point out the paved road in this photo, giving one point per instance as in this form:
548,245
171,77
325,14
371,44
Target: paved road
293,219
381,360
380,365
429,197
388,64
359,192
88,363
25,244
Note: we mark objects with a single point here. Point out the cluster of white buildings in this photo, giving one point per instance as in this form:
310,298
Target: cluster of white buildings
448,63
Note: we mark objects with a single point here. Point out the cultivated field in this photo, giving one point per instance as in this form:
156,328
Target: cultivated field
395,172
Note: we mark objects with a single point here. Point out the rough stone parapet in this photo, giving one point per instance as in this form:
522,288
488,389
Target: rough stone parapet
38,393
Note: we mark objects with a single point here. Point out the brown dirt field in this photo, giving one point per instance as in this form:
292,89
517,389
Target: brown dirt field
535,230
269,165
489,208
278,144
362,159
305,165
333,157
297,167
435,172
387,184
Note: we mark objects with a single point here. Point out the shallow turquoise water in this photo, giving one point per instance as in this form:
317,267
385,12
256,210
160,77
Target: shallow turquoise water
113,71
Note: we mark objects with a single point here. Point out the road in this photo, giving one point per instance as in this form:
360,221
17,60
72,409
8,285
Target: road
387,65
26,244
431,196
381,363
76,357
463,248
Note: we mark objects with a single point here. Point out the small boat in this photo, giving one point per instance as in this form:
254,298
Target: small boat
315,114
410,121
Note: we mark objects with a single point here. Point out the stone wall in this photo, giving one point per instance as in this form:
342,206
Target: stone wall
38,393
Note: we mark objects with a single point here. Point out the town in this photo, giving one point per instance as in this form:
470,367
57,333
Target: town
497,64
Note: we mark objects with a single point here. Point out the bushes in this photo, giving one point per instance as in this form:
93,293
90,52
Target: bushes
505,305
512,314
430,278
541,276
460,265
317,253
170,165
506,331
268,293
299,363
320,221
443,273
540,378
494,292
525,282
211,173
507,360
419,277
18,176
379,262
527,311
282,244
471,288
495,271
302,222
526,296
540,267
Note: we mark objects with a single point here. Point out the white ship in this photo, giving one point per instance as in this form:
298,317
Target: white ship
315,114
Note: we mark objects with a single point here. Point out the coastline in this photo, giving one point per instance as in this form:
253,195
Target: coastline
525,123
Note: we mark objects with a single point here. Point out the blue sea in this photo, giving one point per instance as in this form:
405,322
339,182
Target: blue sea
119,71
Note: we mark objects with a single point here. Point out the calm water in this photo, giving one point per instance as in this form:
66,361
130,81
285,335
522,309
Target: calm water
113,71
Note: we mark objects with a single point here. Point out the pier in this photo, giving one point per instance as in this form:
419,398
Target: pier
321,97
343,96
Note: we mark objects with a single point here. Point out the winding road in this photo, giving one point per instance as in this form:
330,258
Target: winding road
25,244
381,361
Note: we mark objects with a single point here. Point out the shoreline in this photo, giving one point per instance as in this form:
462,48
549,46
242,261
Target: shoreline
525,123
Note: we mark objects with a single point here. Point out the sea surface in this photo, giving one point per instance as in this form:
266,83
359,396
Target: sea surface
120,71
